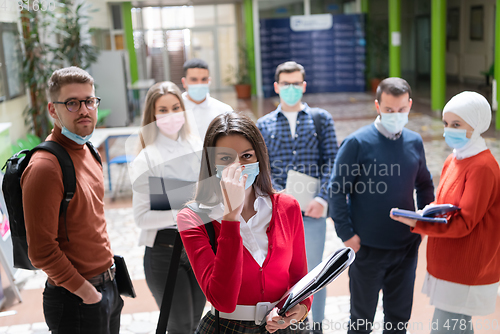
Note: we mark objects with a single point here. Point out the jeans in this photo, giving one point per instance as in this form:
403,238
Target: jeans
444,322
65,312
315,233
188,300
393,271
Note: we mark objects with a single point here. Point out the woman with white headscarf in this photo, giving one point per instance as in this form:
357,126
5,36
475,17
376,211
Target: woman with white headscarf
463,256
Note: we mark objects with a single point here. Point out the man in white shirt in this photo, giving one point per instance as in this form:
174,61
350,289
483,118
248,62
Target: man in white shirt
199,104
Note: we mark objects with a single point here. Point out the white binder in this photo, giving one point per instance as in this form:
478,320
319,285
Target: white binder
304,188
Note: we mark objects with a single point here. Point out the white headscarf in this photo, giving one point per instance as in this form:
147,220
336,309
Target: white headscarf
475,110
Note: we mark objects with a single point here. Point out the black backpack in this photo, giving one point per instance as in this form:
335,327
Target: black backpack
12,192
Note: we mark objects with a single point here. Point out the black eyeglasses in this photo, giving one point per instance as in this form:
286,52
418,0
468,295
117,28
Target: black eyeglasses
285,84
74,105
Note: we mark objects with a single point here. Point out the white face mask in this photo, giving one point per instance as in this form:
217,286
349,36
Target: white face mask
394,122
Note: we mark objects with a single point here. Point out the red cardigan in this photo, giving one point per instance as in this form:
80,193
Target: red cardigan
232,277
467,249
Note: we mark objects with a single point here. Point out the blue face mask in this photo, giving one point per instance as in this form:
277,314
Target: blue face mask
198,92
455,138
73,136
291,95
252,170
76,138
394,122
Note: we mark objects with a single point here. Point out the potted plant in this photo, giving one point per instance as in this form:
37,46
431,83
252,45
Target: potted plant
75,37
240,77
38,64
69,23
378,49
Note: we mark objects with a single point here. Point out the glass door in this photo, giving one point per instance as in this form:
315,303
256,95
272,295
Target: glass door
203,45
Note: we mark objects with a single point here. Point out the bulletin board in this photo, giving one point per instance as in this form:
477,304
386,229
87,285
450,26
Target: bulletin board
332,49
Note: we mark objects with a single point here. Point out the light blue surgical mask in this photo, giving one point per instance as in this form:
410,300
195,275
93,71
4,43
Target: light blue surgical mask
198,92
455,138
252,170
76,138
73,136
291,95
394,122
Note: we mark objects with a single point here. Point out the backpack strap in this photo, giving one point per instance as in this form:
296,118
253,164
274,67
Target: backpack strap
316,116
68,171
168,293
94,152
203,214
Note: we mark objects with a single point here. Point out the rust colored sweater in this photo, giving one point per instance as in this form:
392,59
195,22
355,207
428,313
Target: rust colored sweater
88,251
467,249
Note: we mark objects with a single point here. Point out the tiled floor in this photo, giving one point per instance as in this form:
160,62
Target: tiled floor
350,112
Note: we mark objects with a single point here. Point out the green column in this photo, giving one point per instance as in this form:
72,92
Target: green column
497,60
364,6
394,38
438,54
248,13
129,38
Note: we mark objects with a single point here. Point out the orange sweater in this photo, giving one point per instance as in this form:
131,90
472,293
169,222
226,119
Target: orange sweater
467,249
88,251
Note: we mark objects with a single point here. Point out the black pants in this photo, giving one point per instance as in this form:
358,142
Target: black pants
65,312
188,300
393,271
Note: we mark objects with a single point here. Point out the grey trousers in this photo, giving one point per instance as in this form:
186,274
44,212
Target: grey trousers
444,322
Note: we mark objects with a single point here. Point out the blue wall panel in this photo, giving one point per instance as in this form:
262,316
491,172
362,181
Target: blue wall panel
334,59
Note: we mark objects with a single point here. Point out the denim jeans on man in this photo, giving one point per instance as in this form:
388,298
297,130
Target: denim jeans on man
66,314
315,234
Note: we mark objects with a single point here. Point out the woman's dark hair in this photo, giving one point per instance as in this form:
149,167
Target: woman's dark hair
233,123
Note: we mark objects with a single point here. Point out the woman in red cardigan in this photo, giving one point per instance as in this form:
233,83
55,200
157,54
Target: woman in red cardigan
463,256
259,234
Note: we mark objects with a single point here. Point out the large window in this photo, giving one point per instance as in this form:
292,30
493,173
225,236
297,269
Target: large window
280,9
476,23
166,36
10,62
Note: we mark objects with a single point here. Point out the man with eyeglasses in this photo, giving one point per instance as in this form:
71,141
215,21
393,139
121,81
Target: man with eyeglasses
80,294
294,144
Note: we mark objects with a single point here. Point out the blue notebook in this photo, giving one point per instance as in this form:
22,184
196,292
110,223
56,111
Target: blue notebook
433,214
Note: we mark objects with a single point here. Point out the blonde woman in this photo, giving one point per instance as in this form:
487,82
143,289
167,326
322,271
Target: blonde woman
168,151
